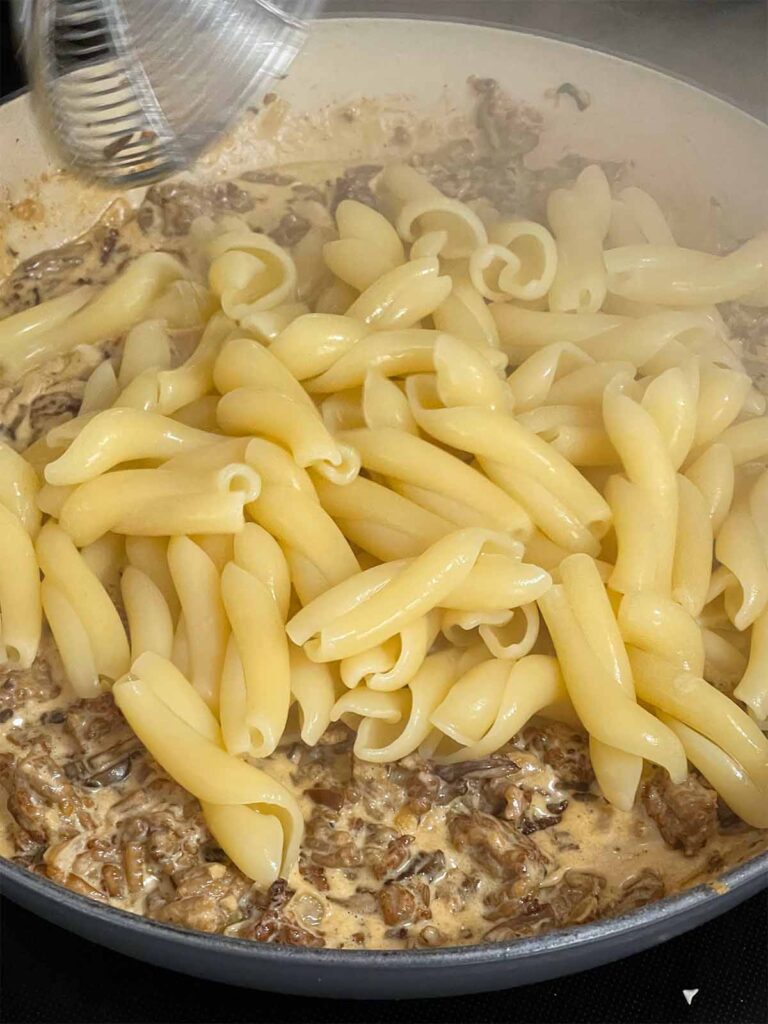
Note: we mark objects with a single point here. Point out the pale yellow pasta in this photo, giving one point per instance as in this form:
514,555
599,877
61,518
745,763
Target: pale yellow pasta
181,656
402,297
72,641
425,583
522,331
496,436
394,663
311,344
150,555
671,276
296,425
671,400
249,273
722,394
419,208
262,647
697,704
753,687
315,690
146,347
745,798
395,724
747,441
740,548
609,714
267,325
533,380
221,782
466,375
519,262
401,457
465,315
101,389
303,528
160,503
206,628
384,405
391,353
647,463
617,771
692,564
580,217
19,488
64,566
193,380
713,474
106,558
527,687
150,624
122,435
367,248
20,608
724,663
106,313
201,413
658,625
380,520
637,217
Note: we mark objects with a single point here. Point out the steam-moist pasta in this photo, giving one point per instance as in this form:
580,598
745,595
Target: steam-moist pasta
440,474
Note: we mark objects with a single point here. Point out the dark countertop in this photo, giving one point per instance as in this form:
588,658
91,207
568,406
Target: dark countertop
50,975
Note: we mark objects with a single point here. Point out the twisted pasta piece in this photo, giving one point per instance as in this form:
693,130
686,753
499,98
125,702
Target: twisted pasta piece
607,710
159,503
249,273
580,218
741,546
519,262
368,246
260,396
667,275
392,664
122,435
88,315
492,701
419,208
402,297
255,820
440,577
72,594
394,724
256,680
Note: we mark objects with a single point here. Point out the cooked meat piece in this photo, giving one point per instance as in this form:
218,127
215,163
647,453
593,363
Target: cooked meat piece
45,396
88,722
685,813
291,229
315,875
636,892
277,924
564,750
457,889
356,183
41,799
498,849
332,798
173,206
405,903
431,866
209,897
21,687
328,846
390,860
576,899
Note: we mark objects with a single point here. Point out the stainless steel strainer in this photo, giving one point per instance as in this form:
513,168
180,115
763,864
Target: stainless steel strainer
134,90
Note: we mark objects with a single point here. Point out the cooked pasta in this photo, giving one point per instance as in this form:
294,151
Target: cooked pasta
434,473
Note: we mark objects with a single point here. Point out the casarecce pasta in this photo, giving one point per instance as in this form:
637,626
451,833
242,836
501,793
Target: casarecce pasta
477,471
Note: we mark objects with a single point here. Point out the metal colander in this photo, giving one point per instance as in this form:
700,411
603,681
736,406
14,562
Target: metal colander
131,91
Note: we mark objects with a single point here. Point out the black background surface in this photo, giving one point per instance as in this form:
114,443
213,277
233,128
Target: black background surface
49,975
